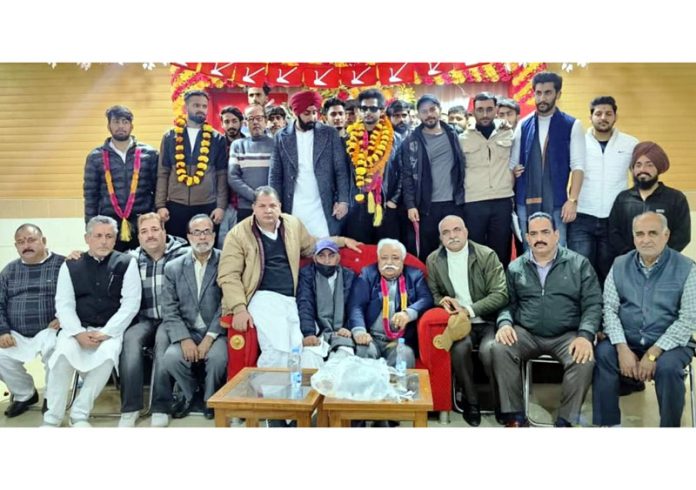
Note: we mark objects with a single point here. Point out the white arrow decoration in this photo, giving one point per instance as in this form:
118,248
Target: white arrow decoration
394,77
319,80
281,77
433,70
356,78
216,69
247,77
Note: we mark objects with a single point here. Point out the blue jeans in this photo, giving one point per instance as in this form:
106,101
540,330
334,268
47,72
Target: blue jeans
669,384
560,225
589,236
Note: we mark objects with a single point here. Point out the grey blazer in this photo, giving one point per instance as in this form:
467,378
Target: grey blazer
329,168
181,302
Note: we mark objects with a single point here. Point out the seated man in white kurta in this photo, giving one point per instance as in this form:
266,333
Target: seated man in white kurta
97,298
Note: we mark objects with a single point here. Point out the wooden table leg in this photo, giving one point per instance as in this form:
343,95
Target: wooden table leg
421,419
252,422
322,418
220,418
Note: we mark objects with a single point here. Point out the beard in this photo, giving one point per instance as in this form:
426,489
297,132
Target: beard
121,138
305,126
430,125
197,118
401,128
203,248
645,184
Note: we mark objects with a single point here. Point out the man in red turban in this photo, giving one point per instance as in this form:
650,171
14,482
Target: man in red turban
648,161
308,169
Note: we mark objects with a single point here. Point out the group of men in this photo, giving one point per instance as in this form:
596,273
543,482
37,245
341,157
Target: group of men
449,194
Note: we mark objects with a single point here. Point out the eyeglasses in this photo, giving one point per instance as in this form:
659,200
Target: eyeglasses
371,108
256,118
198,233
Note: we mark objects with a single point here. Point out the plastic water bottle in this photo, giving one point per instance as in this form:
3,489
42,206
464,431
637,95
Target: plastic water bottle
400,365
295,372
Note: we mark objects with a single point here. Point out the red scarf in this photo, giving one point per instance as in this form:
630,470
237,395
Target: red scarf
125,226
392,334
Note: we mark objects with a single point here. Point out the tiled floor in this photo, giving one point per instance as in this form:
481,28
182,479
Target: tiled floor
638,409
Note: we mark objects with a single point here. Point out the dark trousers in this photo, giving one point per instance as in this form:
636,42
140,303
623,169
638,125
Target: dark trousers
508,362
145,333
180,215
483,336
669,384
243,213
429,233
489,224
589,236
133,243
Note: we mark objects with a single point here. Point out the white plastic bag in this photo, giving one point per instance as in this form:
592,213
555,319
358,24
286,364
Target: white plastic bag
355,378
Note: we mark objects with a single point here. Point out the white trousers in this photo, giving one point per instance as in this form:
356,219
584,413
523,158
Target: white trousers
313,357
277,326
62,374
12,370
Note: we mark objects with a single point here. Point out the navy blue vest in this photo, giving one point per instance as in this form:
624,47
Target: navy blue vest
649,305
557,155
97,287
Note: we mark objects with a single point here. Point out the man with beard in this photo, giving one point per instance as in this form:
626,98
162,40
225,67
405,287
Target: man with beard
97,298
508,111
399,117
334,113
458,118
232,119
387,304
308,169
112,170
155,251
191,317
433,168
548,148
351,109
608,156
468,279
648,161
28,321
192,171
376,187
488,208
276,119
555,308
324,291
249,161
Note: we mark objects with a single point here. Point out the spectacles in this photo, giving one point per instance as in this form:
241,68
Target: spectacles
256,118
198,233
371,108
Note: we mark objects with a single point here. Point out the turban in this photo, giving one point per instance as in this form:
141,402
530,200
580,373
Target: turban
301,100
653,151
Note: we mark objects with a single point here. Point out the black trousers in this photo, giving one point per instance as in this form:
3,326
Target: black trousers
429,233
489,224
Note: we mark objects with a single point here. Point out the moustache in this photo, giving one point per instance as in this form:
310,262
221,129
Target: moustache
390,267
540,243
453,240
28,250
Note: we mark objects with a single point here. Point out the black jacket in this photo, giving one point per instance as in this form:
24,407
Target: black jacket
667,201
417,177
96,196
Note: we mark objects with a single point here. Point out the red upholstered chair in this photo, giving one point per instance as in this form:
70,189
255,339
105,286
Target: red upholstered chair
243,348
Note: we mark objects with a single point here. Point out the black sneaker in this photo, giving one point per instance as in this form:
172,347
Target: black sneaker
18,408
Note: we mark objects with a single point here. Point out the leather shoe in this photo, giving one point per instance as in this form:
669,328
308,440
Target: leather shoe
181,408
18,408
517,423
209,413
44,406
472,415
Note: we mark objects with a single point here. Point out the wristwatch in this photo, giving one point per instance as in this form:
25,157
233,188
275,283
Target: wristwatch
652,357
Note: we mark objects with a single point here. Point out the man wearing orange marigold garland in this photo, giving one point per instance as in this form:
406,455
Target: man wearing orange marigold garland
308,169
120,177
375,173
192,172
433,174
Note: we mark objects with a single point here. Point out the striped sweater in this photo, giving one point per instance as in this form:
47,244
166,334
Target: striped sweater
248,167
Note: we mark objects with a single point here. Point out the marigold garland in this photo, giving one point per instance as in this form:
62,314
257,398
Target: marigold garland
124,215
182,174
369,154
